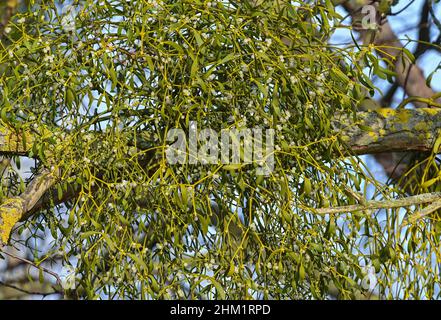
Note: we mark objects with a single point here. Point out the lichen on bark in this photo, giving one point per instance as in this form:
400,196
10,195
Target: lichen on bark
389,130
10,214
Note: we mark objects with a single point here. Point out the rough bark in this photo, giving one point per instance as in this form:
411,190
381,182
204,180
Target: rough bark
390,130
408,76
14,209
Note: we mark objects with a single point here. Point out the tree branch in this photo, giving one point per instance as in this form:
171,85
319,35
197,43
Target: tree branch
382,204
374,132
409,76
423,213
385,130
14,209
35,289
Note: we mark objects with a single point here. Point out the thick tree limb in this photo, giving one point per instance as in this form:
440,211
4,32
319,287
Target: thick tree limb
14,209
408,75
387,129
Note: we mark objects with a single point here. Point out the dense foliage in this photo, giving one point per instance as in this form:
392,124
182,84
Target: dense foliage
101,84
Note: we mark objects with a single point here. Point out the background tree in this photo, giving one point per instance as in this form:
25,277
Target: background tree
90,91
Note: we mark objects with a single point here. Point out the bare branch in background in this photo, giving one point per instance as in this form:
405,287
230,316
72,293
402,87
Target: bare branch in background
409,76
